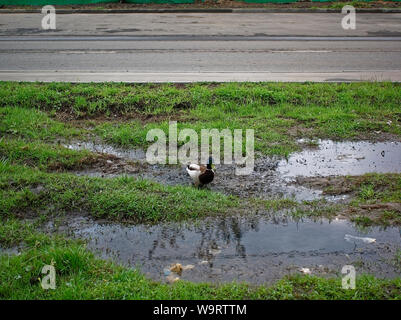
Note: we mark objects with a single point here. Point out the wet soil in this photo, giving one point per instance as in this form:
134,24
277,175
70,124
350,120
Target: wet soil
272,177
337,185
253,247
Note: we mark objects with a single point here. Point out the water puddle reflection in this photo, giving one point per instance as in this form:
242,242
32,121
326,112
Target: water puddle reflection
253,249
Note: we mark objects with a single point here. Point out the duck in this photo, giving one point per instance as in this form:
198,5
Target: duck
201,174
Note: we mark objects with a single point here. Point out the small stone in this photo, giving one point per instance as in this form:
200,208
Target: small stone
177,268
305,270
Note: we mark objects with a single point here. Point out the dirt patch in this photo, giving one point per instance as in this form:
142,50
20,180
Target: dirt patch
109,164
87,161
376,136
338,185
387,214
262,183
298,131
368,209
329,185
103,162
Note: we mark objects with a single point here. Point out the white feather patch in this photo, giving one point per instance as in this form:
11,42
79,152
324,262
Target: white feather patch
194,172
193,166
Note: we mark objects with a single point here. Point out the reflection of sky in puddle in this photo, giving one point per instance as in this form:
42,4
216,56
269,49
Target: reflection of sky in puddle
256,248
331,158
130,154
240,244
343,158
234,236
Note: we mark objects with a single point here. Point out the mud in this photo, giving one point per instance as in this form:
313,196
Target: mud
337,185
272,177
253,249
387,213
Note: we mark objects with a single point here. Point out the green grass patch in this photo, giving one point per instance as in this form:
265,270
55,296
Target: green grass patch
31,191
33,124
278,112
376,188
355,4
44,156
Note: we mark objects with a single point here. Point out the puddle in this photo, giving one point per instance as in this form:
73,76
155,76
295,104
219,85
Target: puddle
343,158
253,249
15,250
129,154
250,248
271,177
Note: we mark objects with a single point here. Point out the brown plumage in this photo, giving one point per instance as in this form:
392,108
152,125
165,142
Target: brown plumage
201,174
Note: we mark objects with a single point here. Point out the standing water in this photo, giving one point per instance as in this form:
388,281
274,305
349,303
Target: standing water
255,248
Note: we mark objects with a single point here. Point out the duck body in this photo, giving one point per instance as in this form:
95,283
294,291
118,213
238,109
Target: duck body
201,174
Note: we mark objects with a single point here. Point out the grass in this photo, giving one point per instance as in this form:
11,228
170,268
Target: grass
305,209
367,188
36,117
241,4
380,188
33,125
34,179
79,275
26,191
278,112
355,4
375,198
45,156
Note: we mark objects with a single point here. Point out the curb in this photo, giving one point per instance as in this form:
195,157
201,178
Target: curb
205,10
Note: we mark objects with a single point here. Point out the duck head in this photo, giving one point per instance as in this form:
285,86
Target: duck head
210,164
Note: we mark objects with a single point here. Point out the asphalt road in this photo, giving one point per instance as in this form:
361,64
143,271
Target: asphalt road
200,47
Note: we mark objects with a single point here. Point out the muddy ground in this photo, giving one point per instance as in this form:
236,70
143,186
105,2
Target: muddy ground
258,246
301,177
